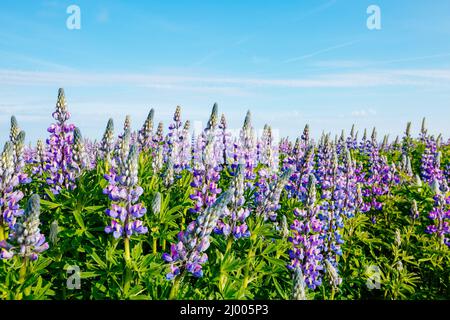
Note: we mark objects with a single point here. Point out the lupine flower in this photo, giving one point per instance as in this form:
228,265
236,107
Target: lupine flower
146,132
381,176
124,192
268,193
10,178
266,152
306,239
26,240
352,139
207,155
423,131
159,134
54,230
302,168
59,148
39,159
224,141
234,216
407,142
406,166
440,214
247,147
332,274
189,253
122,147
332,212
156,203
430,162
107,144
213,119
80,159
299,287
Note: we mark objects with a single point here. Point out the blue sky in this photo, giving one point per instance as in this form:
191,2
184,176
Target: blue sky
289,62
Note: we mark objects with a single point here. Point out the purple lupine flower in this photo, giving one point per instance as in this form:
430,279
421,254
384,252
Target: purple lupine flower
306,240
17,138
233,220
176,148
440,214
26,240
430,162
352,139
268,192
124,192
11,175
9,200
332,211
340,143
302,168
59,149
379,180
39,159
324,160
188,254
206,171
363,144
207,155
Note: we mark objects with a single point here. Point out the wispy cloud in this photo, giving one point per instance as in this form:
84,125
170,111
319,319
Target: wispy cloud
318,52
361,113
412,77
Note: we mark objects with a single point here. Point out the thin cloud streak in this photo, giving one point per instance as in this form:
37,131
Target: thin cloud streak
313,54
395,77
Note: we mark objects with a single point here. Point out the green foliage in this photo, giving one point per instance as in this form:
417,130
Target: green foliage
410,263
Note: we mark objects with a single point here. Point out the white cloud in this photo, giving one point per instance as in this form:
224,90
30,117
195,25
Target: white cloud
419,77
362,113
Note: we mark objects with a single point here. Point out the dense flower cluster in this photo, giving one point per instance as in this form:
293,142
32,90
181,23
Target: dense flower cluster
233,221
60,149
26,240
124,192
440,214
189,253
307,240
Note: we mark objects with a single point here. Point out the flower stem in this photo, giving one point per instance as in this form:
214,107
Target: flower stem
127,250
23,270
155,245
223,275
2,232
175,287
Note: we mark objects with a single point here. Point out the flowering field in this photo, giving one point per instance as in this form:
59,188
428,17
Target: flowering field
158,214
